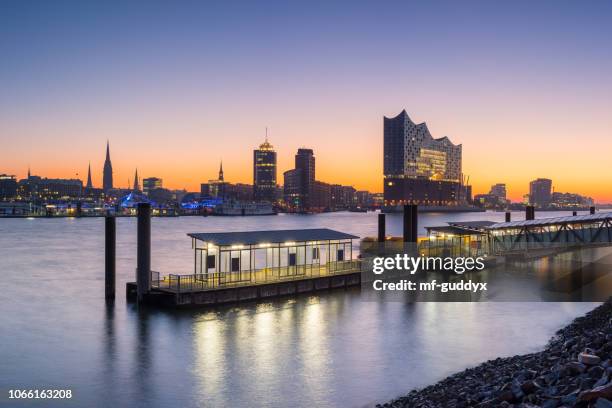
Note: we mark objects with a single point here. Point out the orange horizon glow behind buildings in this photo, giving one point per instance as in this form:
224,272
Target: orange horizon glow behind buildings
348,156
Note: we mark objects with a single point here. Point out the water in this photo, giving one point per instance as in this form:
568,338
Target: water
328,350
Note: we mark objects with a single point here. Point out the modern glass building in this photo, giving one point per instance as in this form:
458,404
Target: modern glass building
419,168
264,173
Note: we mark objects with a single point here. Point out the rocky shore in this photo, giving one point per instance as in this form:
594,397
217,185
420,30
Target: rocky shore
575,370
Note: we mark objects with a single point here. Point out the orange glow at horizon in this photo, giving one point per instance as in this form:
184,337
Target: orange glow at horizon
344,155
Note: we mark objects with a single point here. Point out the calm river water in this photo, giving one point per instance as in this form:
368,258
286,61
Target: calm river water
328,350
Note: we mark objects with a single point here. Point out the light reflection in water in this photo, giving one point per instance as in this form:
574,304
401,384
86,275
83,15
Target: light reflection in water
210,358
329,350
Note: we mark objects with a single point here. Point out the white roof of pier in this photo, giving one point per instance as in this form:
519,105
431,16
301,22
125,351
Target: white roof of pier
541,222
271,237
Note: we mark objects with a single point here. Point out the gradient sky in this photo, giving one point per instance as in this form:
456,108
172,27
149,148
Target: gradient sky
526,87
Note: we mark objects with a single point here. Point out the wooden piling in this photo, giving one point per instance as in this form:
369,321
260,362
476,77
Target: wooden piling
143,254
381,227
109,257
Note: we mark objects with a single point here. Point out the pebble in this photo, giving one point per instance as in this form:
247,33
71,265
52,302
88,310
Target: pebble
575,370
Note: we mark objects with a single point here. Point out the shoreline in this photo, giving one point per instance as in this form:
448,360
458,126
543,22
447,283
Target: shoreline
573,370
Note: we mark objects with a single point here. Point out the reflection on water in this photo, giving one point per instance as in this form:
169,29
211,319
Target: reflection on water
332,349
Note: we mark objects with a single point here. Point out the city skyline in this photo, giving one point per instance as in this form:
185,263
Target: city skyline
524,103
130,183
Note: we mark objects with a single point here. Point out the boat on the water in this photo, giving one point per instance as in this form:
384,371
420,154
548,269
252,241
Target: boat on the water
243,208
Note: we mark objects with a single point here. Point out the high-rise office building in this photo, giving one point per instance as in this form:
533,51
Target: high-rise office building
292,188
418,168
305,162
107,175
540,192
498,190
151,183
264,172
8,187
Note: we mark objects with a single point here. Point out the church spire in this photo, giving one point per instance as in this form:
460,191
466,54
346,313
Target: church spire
107,175
29,171
221,171
89,183
136,183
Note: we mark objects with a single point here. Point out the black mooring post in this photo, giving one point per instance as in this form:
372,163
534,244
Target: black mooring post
109,257
415,222
529,212
410,223
574,213
381,227
508,216
407,220
592,210
143,251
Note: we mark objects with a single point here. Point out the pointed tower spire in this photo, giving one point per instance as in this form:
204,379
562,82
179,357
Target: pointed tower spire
29,171
89,183
107,175
136,183
221,171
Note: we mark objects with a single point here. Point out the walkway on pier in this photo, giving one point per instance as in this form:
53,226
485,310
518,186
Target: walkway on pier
505,238
218,280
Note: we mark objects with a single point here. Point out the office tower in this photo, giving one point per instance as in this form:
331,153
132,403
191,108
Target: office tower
498,190
151,183
292,188
418,168
107,176
540,193
8,187
305,162
264,172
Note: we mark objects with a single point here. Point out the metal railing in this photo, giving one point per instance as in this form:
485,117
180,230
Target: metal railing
217,280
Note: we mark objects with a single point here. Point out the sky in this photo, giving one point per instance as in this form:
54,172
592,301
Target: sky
176,87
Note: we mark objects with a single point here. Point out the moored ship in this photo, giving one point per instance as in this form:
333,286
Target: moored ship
244,208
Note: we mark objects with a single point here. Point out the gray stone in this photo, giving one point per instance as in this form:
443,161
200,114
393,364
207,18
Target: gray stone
588,359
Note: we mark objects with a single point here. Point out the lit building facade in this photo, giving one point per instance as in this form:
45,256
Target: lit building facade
418,168
264,173
299,183
151,183
498,190
47,190
292,187
8,187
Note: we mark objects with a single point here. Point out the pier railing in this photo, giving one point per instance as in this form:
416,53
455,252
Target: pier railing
217,280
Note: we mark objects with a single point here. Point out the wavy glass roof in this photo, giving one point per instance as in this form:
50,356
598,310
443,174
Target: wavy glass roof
552,221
